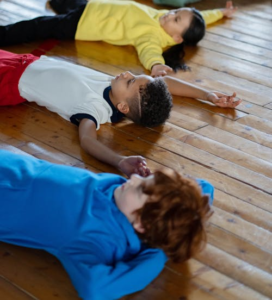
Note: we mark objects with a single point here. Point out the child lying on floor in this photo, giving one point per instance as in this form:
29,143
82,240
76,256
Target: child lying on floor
89,98
121,23
112,235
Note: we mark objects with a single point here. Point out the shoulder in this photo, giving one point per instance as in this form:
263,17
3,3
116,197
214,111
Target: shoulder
207,188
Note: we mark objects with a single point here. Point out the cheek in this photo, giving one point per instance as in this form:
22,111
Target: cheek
130,202
174,27
118,92
120,88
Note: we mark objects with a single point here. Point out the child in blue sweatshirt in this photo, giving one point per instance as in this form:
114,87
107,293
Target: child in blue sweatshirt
112,235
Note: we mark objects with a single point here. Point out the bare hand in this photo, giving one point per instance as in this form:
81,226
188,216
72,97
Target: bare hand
229,10
223,100
134,165
160,70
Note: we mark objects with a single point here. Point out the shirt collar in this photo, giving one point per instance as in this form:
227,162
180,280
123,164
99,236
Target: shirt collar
133,242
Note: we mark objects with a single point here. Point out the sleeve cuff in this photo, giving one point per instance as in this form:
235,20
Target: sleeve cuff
75,119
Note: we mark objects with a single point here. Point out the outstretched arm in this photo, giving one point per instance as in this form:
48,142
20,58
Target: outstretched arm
127,164
213,15
182,88
95,279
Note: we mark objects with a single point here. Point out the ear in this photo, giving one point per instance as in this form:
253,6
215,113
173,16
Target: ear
137,225
123,107
177,38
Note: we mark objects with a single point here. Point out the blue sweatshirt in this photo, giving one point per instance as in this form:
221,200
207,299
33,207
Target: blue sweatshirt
71,213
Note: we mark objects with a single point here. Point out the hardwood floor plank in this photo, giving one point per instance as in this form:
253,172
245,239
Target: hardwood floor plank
220,31
211,161
237,142
236,53
237,269
221,285
269,105
12,292
251,29
244,69
31,279
245,230
234,44
232,127
219,149
257,123
239,248
244,210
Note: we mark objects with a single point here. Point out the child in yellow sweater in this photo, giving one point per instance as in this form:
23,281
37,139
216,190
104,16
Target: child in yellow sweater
120,23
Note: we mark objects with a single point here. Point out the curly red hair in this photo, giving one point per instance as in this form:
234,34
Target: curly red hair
174,215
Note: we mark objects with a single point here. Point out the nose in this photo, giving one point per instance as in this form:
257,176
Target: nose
171,16
126,74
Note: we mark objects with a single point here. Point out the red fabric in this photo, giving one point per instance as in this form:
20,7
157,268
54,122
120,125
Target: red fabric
44,47
12,66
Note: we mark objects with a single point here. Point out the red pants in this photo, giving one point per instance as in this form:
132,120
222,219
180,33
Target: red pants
12,66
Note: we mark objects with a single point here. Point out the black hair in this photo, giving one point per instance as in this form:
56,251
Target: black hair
155,104
174,55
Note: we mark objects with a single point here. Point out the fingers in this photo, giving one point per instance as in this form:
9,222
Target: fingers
231,96
142,168
141,160
236,103
230,9
143,171
235,9
160,73
160,70
229,4
228,101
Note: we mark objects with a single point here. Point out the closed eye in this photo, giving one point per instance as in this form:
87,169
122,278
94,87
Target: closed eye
130,81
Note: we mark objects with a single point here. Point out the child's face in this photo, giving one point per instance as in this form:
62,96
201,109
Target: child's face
176,22
126,86
130,197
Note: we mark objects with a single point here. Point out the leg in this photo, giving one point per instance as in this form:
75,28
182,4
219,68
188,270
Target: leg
65,6
12,67
62,27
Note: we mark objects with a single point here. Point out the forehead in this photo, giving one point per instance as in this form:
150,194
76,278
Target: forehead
184,13
183,10
140,80
144,79
148,181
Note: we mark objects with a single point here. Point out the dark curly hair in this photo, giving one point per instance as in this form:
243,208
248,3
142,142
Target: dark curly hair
155,104
174,56
174,216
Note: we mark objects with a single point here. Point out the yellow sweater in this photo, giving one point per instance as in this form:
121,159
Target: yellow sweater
122,22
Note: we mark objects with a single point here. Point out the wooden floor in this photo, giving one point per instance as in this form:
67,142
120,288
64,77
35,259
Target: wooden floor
230,148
